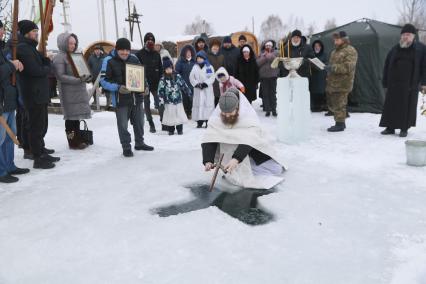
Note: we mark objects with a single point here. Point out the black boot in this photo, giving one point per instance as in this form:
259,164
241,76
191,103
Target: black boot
144,147
19,171
50,158
8,179
207,124
268,114
47,151
329,113
151,126
179,129
274,113
127,153
200,123
403,133
42,163
388,131
340,126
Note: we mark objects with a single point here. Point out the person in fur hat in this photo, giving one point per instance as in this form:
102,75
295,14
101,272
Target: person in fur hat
170,90
202,78
226,81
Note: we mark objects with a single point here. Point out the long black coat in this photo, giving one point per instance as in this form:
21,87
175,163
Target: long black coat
151,59
231,57
248,74
317,82
33,82
404,73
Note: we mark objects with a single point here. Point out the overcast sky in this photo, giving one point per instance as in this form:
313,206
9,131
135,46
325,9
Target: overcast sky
167,19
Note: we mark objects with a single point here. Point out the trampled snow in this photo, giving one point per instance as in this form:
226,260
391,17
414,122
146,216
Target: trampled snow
349,211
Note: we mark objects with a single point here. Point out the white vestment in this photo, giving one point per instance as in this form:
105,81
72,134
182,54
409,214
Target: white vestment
246,131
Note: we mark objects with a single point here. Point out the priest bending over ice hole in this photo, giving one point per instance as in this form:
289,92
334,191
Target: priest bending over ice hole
235,131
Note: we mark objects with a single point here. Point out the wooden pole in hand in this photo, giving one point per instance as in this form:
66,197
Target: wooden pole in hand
9,131
15,35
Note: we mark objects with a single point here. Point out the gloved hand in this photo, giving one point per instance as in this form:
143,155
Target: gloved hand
199,86
123,90
208,167
328,68
204,86
232,165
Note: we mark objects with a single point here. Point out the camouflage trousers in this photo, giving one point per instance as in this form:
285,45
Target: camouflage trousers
337,103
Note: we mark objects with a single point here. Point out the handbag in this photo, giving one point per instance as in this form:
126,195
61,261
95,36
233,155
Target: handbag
86,135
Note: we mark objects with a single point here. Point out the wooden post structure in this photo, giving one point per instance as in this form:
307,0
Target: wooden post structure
45,20
15,35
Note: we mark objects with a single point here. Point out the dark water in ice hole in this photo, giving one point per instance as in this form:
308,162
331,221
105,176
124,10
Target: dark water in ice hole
241,205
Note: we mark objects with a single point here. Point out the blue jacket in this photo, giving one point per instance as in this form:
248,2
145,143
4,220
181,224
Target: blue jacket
113,76
184,66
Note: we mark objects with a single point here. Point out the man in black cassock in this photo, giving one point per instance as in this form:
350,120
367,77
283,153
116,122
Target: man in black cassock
404,76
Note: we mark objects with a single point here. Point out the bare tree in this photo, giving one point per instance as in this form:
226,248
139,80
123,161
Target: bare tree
199,26
330,24
272,28
413,12
6,14
311,29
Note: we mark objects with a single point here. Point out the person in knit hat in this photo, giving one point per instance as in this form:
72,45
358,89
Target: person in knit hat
202,78
151,59
235,131
242,40
298,48
170,90
231,53
33,84
404,76
128,104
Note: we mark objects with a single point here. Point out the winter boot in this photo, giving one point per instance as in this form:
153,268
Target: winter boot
179,129
340,126
127,153
274,113
144,147
47,151
42,163
207,124
268,114
74,141
388,131
151,126
329,113
8,179
403,133
19,171
200,124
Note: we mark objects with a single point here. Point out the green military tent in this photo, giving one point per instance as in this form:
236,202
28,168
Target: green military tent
373,40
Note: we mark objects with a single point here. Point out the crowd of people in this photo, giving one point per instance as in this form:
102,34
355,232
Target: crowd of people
189,89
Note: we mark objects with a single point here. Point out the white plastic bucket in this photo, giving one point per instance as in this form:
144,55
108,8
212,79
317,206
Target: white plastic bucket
416,153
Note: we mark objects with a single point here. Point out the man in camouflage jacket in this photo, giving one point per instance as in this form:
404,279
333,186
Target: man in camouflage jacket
340,78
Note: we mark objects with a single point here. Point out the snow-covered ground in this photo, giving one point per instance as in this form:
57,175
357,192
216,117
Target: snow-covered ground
350,211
